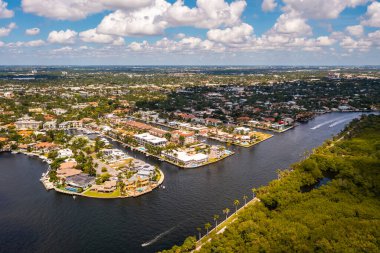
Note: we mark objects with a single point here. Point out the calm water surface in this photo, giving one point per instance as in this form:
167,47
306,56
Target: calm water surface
34,220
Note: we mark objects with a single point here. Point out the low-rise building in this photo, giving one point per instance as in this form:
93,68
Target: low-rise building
67,169
50,125
62,153
45,147
242,130
185,159
114,154
107,186
147,138
213,122
188,137
70,124
80,181
158,132
27,123
216,152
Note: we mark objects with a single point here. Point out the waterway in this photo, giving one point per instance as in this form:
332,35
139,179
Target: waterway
34,220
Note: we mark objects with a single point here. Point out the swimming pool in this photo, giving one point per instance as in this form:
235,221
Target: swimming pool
72,189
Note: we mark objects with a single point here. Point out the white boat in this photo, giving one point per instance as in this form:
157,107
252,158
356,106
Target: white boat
74,197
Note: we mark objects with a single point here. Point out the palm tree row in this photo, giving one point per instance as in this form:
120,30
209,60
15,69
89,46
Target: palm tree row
226,211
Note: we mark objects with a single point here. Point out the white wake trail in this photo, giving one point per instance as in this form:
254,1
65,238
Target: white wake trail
155,239
339,122
322,124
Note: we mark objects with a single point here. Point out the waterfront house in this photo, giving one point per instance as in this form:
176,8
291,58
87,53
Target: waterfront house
113,155
147,138
80,181
185,159
45,147
63,172
216,152
242,130
107,187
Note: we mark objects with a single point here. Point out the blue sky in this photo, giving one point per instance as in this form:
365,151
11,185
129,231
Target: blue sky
221,32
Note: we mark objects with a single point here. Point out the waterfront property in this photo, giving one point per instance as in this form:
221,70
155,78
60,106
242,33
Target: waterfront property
186,159
147,138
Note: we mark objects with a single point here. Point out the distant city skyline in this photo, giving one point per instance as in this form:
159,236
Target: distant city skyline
190,32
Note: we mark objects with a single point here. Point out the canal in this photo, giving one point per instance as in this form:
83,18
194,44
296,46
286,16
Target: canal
33,220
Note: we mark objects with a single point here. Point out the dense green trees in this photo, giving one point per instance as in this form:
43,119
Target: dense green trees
328,203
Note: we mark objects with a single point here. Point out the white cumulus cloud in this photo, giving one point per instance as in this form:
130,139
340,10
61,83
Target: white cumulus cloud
32,31
62,37
268,5
372,17
4,12
154,19
320,9
234,35
93,37
5,31
206,14
292,25
145,21
77,9
355,30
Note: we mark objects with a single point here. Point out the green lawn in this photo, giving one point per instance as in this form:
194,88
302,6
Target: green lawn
95,194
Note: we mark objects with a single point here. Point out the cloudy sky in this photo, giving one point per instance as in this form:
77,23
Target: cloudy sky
187,32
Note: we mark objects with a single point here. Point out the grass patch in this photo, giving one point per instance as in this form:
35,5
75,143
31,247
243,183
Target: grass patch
96,194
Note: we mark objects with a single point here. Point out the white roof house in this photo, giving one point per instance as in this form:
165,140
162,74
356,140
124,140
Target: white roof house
147,138
65,153
185,158
242,129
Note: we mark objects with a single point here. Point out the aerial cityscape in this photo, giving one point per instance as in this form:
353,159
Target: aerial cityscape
189,126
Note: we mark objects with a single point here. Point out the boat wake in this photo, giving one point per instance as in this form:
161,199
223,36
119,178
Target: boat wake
155,239
328,122
339,122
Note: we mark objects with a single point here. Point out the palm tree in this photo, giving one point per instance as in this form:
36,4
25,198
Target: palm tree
226,211
236,203
216,217
245,199
199,232
207,226
254,190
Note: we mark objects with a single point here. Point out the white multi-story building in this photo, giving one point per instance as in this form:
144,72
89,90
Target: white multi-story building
185,159
147,138
27,123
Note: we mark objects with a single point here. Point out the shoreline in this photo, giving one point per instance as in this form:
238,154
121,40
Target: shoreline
113,197
49,185
160,158
238,144
222,226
